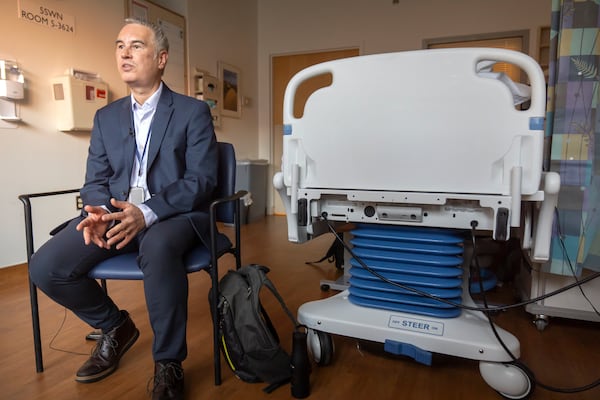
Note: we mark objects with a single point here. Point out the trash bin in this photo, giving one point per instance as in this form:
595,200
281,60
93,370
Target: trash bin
251,175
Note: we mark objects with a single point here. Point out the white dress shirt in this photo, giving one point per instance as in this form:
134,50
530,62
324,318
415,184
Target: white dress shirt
142,126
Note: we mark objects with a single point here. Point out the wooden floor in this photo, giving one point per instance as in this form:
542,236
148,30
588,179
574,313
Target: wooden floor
566,354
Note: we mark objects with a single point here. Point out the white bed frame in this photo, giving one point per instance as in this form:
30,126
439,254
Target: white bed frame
428,138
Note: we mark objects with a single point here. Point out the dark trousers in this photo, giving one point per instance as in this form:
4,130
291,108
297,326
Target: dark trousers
59,268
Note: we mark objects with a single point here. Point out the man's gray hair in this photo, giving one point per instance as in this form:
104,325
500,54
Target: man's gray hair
161,41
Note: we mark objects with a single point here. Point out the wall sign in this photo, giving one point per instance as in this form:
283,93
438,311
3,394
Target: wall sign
51,17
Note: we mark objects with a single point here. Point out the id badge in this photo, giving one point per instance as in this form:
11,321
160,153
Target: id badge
136,195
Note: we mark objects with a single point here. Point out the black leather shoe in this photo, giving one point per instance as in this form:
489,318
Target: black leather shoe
108,351
168,381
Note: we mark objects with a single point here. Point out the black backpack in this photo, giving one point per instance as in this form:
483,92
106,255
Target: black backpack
248,339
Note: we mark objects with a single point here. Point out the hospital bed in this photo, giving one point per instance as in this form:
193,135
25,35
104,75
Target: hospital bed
415,150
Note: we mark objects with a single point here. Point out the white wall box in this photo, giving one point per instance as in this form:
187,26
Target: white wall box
78,96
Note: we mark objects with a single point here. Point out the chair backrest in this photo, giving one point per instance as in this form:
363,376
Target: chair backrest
226,182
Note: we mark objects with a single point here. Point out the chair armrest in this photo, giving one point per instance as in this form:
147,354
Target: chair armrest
26,200
216,202
26,197
236,196
236,225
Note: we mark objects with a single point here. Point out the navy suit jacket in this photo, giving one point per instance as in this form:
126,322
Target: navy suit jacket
182,158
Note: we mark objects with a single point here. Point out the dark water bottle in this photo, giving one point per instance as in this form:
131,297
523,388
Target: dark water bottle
300,366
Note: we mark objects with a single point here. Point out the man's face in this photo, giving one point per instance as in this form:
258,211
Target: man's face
136,59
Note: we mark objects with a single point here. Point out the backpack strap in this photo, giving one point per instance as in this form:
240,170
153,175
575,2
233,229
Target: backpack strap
257,276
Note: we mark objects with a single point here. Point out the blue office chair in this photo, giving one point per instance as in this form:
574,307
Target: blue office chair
225,209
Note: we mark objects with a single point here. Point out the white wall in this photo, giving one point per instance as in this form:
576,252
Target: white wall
36,157
225,30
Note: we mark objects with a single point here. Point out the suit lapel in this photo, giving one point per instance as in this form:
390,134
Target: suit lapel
126,124
161,120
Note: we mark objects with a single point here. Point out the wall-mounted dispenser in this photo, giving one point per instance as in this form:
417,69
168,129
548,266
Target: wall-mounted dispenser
12,89
78,95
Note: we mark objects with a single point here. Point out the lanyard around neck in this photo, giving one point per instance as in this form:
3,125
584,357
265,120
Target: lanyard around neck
138,156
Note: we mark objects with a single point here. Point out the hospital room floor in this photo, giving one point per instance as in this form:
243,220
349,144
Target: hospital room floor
565,354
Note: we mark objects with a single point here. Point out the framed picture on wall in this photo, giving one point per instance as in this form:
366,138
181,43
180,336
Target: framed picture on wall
231,99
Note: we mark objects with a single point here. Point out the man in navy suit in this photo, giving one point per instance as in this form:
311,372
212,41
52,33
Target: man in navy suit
151,171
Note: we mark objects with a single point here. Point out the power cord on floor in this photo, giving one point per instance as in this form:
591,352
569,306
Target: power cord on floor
486,309
504,346
60,327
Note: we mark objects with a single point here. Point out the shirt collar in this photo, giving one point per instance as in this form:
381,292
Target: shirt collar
151,103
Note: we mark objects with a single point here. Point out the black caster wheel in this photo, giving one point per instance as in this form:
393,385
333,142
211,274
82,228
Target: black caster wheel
320,345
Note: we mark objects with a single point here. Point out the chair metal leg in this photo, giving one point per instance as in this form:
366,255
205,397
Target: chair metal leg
33,298
215,323
35,318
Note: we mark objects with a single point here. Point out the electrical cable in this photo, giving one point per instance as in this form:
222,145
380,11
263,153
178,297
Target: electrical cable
449,302
487,313
511,355
60,327
486,310
569,263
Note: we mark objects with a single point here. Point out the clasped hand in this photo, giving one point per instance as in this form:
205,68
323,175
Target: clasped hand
127,224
